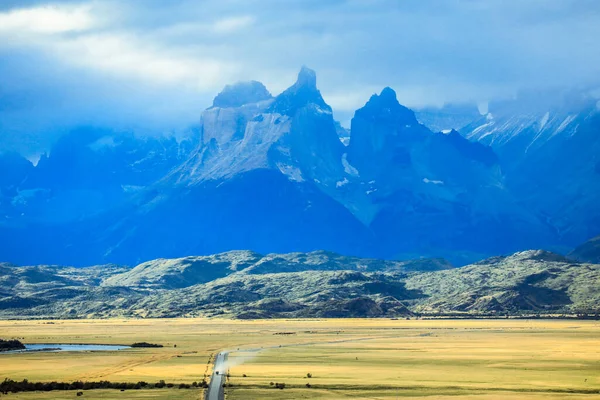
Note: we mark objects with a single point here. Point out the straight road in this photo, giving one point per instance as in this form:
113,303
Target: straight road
215,389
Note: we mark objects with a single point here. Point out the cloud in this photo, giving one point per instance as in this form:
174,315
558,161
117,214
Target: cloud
233,24
154,64
127,56
47,19
116,52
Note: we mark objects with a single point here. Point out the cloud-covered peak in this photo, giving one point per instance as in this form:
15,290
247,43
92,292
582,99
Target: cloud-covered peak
307,78
385,107
241,93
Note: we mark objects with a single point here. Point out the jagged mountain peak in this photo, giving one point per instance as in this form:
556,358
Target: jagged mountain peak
388,94
283,135
385,107
307,77
241,93
302,93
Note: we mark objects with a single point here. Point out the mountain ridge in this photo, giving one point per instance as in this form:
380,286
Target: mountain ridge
244,284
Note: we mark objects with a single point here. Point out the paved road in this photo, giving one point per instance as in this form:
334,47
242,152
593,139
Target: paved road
215,389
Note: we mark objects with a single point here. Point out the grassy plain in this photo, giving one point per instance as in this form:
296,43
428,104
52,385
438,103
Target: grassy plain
361,359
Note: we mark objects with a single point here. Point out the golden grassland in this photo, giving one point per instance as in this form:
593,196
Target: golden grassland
348,358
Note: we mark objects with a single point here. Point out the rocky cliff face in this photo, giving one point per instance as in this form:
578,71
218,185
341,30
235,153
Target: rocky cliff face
431,191
294,133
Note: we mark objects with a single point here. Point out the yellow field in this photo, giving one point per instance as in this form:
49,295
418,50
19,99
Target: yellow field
370,359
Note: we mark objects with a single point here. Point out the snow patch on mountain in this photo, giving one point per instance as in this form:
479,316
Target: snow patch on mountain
349,169
479,129
433,181
544,120
567,121
341,183
293,173
103,143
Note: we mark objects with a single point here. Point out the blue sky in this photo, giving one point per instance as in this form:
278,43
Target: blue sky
151,66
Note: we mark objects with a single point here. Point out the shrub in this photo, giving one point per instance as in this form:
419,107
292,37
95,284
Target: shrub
7,345
145,344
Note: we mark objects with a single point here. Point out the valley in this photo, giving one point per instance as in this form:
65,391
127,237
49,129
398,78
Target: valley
356,358
189,211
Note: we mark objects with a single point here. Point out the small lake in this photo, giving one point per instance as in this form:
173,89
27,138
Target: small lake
47,347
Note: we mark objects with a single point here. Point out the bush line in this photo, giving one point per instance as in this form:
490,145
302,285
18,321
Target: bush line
11,386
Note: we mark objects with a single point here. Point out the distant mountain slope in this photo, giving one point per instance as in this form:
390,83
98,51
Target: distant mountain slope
89,172
432,193
189,271
549,150
448,117
244,284
294,294
587,252
530,281
53,288
526,282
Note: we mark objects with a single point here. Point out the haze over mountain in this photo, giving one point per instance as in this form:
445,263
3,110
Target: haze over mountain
549,146
149,66
270,174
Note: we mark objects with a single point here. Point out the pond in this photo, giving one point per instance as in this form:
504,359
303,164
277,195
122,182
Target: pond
46,347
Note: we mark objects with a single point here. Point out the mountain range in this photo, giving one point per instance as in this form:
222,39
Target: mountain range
245,284
278,174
